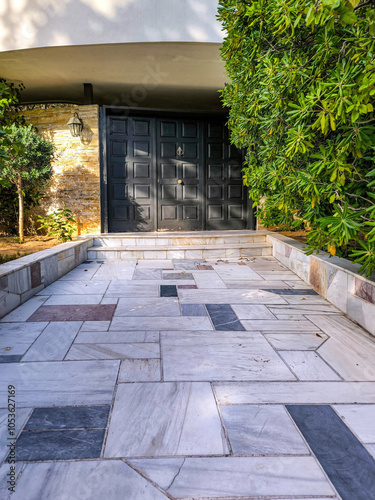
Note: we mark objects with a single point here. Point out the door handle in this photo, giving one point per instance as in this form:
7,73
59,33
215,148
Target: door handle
179,181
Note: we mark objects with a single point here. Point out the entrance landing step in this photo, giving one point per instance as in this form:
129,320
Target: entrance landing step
166,252
172,239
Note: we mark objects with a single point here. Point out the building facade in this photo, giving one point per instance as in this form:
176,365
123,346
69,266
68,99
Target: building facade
144,78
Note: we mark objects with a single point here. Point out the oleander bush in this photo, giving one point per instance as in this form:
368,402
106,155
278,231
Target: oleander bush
301,101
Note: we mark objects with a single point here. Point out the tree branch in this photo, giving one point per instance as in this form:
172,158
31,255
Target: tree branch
364,4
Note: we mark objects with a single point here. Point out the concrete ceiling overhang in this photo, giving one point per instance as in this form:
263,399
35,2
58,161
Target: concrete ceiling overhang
182,75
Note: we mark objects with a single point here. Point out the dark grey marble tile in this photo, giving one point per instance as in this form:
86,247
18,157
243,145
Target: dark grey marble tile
193,310
345,460
168,291
13,358
292,291
59,445
177,276
223,317
69,417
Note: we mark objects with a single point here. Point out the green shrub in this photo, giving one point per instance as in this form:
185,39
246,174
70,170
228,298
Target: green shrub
301,101
28,167
59,223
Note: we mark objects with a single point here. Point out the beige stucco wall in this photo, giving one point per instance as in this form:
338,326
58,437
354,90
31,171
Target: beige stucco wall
76,179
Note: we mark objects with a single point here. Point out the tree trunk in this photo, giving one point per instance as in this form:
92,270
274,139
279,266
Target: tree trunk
20,211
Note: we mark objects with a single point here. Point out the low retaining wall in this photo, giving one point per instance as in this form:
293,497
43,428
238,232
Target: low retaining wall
22,278
335,279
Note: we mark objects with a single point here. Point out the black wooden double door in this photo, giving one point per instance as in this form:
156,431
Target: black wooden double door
173,174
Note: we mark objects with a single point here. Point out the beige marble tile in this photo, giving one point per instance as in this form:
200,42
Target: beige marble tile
140,370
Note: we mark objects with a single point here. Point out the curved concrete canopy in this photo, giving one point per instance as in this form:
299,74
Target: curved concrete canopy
161,75
45,23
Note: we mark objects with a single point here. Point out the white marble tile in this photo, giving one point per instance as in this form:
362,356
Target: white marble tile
215,355
259,285
109,301
143,307
156,419
239,477
5,493
155,264
349,352
147,274
115,270
214,296
295,341
272,276
295,392
371,449
288,317
95,326
139,288
116,337
234,272
60,383
19,281
306,300
84,480
62,287
262,430
16,338
81,273
162,470
140,370
23,312
252,312
362,311
21,415
54,342
302,309
308,365
361,419
272,326
155,323
208,279
67,300
113,351
337,289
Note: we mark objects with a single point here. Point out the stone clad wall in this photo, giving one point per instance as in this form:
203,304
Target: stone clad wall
335,279
76,179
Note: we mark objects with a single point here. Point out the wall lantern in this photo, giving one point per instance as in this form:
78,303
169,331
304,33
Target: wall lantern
75,125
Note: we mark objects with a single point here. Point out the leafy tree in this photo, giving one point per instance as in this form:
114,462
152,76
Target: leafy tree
31,168
9,96
301,101
59,223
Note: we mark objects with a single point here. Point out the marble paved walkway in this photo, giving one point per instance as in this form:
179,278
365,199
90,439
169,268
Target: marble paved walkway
185,379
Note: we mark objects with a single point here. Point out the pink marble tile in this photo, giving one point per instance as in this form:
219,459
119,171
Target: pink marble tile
74,313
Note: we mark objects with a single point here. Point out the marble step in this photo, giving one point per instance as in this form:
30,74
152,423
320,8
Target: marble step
180,239
166,252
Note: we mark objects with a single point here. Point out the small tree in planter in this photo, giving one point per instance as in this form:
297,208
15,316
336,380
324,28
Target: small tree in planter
33,167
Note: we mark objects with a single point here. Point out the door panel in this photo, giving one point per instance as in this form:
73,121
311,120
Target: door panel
226,197
180,154
131,174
